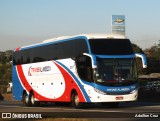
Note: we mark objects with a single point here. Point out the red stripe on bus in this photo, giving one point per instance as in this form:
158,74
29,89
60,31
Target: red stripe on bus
68,82
17,49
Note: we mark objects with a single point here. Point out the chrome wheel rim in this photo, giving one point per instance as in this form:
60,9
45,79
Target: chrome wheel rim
76,100
32,99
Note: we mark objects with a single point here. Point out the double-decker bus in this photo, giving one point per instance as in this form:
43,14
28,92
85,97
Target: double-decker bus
93,68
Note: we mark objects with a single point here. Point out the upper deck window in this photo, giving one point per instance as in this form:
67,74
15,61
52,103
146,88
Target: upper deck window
51,51
111,46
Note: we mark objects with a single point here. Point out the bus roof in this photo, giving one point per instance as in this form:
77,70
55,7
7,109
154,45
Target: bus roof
88,36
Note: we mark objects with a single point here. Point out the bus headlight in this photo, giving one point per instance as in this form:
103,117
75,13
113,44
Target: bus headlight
133,91
100,92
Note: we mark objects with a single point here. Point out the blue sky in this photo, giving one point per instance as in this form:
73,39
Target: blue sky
25,22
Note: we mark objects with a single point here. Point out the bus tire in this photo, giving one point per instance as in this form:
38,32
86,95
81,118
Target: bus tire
26,100
34,103
75,100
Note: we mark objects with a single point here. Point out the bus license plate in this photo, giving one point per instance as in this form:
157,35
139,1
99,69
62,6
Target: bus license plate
119,98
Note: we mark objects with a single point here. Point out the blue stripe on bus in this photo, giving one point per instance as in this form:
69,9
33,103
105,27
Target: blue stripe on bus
112,88
116,56
17,87
116,88
77,81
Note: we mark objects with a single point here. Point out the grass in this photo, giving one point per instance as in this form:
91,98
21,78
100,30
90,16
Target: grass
8,96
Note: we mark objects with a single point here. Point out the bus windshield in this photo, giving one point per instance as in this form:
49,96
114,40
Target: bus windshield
116,71
111,46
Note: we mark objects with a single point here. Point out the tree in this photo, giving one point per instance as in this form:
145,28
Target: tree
137,49
5,65
153,57
8,55
155,52
3,58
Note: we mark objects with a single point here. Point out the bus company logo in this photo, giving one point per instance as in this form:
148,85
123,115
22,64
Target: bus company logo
34,70
118,89
119,20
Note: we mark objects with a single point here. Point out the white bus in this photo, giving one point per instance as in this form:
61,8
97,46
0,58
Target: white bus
95,68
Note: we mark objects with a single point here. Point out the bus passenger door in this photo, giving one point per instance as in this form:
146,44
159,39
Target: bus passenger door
85,72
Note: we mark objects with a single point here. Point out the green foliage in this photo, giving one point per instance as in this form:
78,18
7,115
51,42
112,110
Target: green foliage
5,71
137,49
155,52
153,59
6,65
3,89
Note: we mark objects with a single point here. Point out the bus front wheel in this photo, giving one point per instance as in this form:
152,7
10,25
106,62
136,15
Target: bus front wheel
75,100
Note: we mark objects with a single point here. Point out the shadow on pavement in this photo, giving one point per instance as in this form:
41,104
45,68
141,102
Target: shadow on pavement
1,97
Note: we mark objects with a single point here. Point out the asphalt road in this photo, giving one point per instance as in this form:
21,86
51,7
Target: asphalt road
15,109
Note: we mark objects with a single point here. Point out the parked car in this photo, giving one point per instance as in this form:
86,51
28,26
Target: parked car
9,87
156,87
148,86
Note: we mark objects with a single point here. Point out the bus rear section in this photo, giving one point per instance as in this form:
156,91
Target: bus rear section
50,81
103,70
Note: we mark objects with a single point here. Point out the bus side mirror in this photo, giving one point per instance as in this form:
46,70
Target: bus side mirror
143,57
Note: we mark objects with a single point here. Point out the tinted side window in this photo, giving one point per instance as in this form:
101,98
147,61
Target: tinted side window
53,51
74,48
